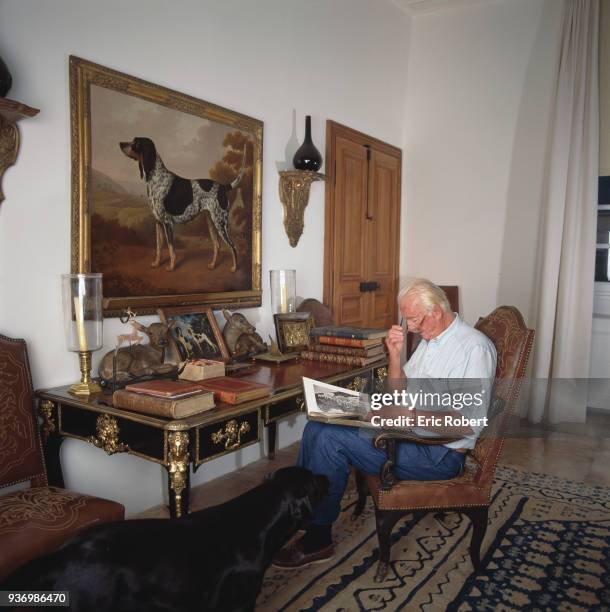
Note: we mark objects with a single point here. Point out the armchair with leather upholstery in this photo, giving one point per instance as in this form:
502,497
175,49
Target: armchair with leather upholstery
34,520
469,493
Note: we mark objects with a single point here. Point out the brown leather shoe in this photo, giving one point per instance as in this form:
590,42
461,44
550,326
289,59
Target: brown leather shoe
293,557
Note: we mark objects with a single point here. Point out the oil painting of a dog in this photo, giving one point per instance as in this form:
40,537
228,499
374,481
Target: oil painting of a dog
168,191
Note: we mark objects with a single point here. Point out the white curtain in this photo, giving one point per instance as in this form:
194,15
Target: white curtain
563,300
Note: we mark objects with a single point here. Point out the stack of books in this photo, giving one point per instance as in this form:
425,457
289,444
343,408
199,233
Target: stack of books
353,346
171,399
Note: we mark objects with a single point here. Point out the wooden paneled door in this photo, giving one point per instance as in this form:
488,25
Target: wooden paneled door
362,228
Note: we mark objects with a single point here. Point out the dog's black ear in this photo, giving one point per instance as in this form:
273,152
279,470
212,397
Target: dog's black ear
148,157
141,170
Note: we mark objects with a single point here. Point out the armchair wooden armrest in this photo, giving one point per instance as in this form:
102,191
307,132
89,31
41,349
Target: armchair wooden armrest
387,442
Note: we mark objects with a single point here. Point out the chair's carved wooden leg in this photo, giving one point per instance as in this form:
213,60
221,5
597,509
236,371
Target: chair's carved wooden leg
385,520
478,517
362,494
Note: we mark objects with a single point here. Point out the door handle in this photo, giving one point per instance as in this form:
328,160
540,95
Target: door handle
368,286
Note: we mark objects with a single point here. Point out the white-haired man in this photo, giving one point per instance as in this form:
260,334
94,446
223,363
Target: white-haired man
449,353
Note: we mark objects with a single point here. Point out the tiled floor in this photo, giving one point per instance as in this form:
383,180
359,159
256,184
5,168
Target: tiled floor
579,452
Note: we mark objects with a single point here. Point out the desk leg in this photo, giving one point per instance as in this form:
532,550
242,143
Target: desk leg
271,437
178,469
51,442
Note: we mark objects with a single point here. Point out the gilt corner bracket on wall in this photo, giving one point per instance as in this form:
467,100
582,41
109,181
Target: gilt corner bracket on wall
10,113
294,195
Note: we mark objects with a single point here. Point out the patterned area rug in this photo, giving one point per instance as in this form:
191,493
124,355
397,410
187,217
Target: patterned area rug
547,547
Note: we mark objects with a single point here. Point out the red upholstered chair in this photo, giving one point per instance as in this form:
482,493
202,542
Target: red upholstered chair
36,520
470,492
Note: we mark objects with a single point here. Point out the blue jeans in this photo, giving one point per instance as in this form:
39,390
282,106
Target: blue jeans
332,449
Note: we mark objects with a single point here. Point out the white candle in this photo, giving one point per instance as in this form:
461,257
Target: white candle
283,297
79,318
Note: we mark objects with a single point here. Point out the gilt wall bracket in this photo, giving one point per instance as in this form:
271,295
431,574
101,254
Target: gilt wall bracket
294,195
10,113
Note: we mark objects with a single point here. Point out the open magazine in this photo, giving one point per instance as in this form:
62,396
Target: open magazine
329,401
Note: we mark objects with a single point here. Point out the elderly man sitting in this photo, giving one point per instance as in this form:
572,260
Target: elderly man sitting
450,351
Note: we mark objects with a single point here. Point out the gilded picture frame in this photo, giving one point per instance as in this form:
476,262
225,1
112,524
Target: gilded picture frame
292,331
186,232
194,334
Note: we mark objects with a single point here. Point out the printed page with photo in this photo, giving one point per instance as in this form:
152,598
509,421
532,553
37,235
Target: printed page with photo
325,401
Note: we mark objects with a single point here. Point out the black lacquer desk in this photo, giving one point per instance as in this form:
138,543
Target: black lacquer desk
179,444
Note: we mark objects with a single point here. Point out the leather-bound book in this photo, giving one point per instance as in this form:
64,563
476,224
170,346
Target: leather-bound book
355,342
163,387
359,333
370,351
234,390
163,406
350,360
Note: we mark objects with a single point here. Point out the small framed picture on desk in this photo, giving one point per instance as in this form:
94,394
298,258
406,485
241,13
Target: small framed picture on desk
292,331
194,333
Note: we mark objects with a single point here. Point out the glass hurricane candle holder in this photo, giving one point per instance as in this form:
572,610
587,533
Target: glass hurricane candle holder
83,323
283,291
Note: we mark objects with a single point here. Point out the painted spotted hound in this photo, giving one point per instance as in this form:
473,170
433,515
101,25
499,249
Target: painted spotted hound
173,199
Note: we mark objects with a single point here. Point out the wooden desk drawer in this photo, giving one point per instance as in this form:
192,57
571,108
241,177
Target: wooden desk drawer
112,434
282,409
226,436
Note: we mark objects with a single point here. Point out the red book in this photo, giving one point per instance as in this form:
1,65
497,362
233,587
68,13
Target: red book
234,390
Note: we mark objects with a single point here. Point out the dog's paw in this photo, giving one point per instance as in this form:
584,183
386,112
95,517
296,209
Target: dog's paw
232,268
211,265
155,264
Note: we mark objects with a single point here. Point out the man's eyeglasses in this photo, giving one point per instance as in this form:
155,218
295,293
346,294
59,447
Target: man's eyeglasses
413,322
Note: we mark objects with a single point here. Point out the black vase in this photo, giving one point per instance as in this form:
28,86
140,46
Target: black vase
307,156
6,80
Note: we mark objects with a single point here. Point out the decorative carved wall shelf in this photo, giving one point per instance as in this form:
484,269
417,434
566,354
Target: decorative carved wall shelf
10,113
294,194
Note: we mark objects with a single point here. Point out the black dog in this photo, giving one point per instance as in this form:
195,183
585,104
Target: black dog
213,559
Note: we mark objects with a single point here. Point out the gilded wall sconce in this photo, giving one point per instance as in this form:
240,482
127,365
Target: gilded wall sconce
10,113
294,195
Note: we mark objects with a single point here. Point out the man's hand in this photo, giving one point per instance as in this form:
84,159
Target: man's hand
395,341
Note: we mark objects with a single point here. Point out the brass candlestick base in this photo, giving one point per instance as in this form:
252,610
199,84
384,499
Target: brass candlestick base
86,386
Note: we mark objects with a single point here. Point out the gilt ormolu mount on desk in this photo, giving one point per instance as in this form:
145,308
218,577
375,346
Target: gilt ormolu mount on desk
10,112
294,194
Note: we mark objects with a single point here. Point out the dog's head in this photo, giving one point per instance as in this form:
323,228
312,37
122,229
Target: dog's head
301,489
144,152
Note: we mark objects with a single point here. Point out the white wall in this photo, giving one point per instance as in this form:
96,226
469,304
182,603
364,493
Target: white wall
275,60
475,133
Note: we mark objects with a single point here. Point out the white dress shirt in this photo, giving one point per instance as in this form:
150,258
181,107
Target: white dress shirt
458,353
